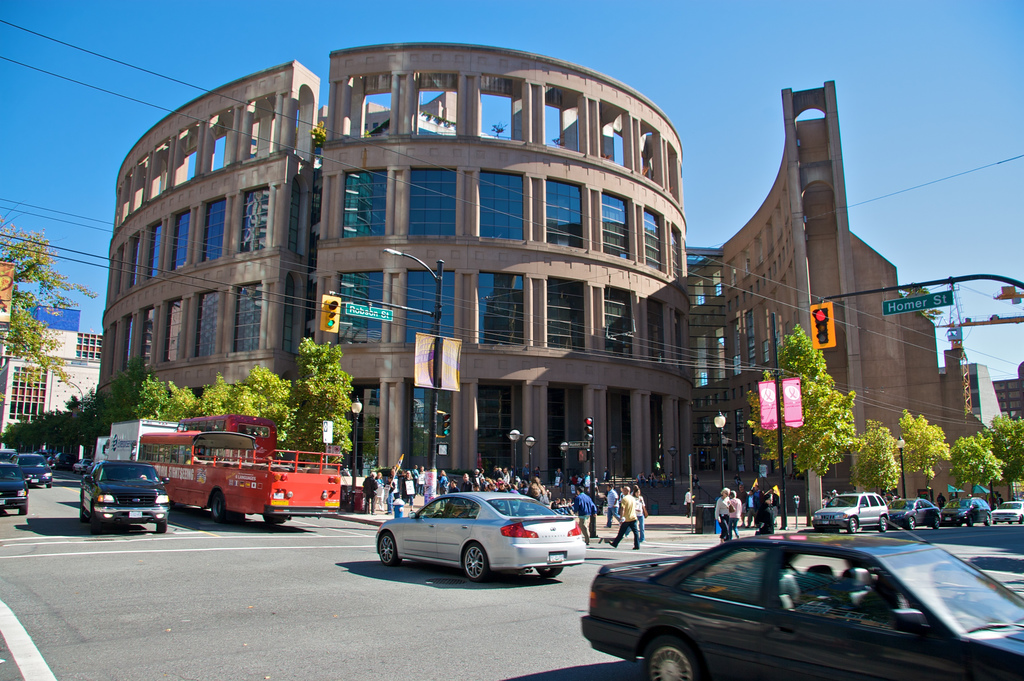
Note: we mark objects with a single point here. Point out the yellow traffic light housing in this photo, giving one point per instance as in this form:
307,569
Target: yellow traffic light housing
330,313
823,326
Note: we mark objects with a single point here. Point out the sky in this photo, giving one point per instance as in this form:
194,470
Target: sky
930,97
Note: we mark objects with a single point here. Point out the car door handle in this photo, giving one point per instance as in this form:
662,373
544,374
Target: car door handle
786,630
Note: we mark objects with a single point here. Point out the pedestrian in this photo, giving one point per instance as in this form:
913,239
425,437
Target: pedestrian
613,505
467,484
766,514
391,487
370,494
735,511
442,483
409,491
940,500
627,509
641,511
583,506
688,501
722,514
750,507
419,475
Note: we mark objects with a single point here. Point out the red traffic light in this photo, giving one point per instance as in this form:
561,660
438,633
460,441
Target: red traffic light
820,316
589,421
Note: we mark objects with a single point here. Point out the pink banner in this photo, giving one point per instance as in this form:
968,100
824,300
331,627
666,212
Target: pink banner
792,403
769,410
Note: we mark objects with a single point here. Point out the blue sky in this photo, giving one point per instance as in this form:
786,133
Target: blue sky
926,90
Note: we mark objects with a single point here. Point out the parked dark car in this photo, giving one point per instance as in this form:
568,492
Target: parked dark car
35,469
123,493
13,489
809,606
913,513
65,462
7,455
966,511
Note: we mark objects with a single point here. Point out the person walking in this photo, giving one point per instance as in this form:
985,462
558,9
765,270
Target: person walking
641,511
722,509
750,507
735,511
613,505
627,511
370,494
766,512
584,507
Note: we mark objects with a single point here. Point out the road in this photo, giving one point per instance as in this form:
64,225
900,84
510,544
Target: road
310,600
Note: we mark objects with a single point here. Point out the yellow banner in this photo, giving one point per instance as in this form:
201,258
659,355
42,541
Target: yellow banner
6,291
451,356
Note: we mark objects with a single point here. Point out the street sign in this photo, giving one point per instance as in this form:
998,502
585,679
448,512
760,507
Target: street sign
356,310
579,443
917,303
328,432
763,470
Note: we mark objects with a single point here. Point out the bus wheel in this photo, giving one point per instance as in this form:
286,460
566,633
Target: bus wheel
218,509
275,519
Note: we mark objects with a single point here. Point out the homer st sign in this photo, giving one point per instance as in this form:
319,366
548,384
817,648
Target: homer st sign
918,303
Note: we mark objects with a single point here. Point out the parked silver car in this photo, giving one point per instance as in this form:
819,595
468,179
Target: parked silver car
1009,512
484,532
853,511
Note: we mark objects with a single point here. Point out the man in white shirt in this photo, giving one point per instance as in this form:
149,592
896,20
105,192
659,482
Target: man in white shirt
613,505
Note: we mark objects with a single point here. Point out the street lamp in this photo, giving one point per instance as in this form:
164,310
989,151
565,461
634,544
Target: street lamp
357,407
900,444
530,442
672,452
720,424
613,450
435,331
514,435
565,463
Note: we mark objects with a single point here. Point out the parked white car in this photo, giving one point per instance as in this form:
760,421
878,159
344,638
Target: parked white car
1009,512
81,466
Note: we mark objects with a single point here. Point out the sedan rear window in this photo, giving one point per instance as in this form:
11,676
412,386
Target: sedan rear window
520,508
737,577
31,460
10,473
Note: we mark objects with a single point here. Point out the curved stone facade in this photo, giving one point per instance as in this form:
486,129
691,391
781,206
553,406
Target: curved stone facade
550,192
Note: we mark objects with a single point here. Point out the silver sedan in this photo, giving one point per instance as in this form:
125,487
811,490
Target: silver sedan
484,532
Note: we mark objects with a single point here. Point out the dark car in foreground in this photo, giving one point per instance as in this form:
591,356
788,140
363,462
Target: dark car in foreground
123,493
914,513
967,511
809,607
35,469
13,489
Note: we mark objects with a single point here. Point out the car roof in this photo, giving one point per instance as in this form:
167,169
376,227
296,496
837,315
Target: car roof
487,496
8,464
870,544
118,462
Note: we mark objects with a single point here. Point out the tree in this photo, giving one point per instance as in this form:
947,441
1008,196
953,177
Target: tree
876,466
136,393
321,393
973,462
828,432
37,283
1008,446
925,444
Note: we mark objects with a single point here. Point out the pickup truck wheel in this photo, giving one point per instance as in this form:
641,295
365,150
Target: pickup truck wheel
218,509
23,510
95,524
161,527
667,658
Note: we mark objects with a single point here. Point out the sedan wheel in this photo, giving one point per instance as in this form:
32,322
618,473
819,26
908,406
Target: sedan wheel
474,563
937,523
852,529
988,519
970,520
1020,520
387,550
883,524
669,659
911,523
549,573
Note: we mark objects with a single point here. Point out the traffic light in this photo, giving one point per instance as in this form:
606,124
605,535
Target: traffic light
823,335
446,423
588,428
330,309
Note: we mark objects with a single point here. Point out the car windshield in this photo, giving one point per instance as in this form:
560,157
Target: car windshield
843,501
958,503
1011,505
520,508
963,596
900,504
128,473
7,473
31,460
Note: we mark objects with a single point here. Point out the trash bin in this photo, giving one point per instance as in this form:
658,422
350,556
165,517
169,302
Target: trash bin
654,508
704,519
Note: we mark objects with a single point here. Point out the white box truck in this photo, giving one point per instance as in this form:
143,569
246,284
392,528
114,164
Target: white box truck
123,444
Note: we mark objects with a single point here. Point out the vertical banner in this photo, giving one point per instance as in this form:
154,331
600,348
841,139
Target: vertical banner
424,358
769,412
451,356
6,293
792,402
429,486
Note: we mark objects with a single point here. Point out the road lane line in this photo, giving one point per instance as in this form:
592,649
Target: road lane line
195,550
28,658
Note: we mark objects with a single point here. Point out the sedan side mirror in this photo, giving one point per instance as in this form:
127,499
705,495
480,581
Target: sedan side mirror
911,621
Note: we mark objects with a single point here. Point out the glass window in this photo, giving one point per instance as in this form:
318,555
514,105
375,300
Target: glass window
294,212
737,576
615,226
133,255
148,318
153,255
463,509
254,222
432,203
618,322
677,253
564,217
421,294
435,509
126,338
494,421
655,330
652,240
565,314
206,324
524,507
213,232
180,244
288,335
365,204
501,206
248,305
173,330
364,288
501,308
751,338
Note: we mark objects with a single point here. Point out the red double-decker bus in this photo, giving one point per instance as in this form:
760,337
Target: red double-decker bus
225,472
264,430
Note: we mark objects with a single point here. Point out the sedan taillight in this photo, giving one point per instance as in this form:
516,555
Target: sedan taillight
517,530
575,531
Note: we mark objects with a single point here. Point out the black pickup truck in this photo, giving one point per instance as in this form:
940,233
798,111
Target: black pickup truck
123,493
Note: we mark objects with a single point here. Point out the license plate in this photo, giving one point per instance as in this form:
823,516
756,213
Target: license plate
556,557
134,514
33,479
2,502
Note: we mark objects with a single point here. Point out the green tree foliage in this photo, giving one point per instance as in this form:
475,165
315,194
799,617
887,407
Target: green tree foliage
828,432
925,444
1008,446
37,283
876,466
973,462
321,393
80,424
135,393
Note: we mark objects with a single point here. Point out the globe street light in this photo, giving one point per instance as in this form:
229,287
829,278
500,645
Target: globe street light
720,424
565,464
514,435
357,407
530,442
672,452
900,444
613,450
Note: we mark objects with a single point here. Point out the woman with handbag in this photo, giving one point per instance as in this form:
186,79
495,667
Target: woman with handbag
641,510
722,508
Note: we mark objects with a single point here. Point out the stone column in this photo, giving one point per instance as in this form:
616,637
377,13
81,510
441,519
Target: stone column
244,150
277,121
231,141
187,330
400,190
289,108
528,311
638,401
234,216
277,215
344,111
226,304
466,422
467,192
396,105
583,124
195,235
272,315
527,112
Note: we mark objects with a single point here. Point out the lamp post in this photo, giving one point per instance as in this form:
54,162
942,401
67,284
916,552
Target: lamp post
720,424
357,407
614,451
900,444
564,447
530,442
672,452
514,436
435,331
